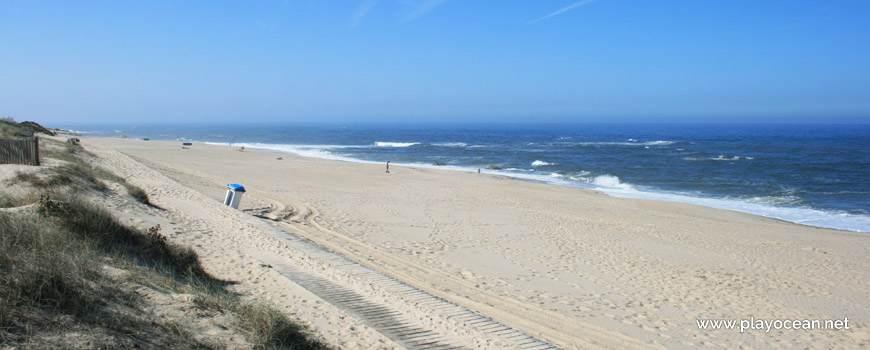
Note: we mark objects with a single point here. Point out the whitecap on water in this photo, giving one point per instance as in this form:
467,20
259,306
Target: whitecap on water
395,144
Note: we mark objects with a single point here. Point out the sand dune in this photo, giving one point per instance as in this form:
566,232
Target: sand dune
571,267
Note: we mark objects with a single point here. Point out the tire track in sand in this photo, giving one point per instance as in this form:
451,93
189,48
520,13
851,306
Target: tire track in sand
388,318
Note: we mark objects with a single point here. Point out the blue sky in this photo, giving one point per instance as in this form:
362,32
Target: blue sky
431,60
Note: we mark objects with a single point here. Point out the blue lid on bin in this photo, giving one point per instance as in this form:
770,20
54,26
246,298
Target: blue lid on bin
236,187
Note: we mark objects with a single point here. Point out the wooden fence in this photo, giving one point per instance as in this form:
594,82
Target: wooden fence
20,151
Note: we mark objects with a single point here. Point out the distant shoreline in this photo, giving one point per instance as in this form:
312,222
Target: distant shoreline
712,203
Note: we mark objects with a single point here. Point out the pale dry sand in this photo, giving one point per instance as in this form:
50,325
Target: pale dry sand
573,267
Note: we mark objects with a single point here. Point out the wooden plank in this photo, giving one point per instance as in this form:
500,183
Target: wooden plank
36,151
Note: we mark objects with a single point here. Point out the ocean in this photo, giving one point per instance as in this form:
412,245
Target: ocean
816,175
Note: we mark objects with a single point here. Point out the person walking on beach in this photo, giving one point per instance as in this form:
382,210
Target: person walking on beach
388,166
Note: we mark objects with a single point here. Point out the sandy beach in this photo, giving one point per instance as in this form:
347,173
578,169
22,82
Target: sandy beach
573,268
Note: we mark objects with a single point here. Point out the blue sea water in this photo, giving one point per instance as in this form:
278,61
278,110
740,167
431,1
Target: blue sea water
810,174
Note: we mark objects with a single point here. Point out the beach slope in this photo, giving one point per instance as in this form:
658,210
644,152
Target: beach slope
571,267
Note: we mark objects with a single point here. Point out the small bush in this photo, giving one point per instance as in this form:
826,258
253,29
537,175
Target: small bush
138,194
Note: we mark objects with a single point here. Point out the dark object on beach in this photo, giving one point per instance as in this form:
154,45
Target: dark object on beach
438,164
73,141
187,144
279,158
146,139
388,166
493,167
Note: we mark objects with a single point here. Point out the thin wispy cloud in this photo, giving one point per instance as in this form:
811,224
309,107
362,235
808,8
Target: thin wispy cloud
420,8
562,10
361,10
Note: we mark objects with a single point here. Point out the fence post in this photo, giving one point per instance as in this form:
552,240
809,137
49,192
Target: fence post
36,150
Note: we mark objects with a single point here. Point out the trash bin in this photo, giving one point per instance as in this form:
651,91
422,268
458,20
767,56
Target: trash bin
234,195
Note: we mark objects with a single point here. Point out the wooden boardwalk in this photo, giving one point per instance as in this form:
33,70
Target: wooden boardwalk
387,318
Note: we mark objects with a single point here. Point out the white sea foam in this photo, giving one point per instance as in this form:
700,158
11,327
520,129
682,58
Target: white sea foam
768,207
312,151
609,181
805,216
450,144
774,200
395,144
84,132
629,143
613,186
538,163
517,169
731,158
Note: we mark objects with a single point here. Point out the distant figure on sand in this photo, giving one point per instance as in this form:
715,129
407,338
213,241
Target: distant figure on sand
241,149
388,166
